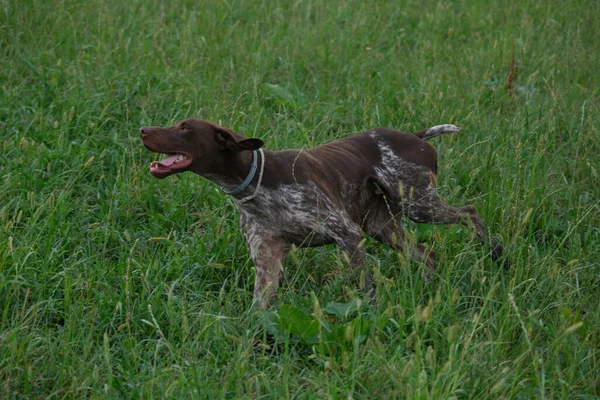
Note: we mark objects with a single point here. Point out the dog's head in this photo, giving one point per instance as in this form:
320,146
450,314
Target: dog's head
194,145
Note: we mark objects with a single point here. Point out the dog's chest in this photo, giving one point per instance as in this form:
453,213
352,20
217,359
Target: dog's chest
298,212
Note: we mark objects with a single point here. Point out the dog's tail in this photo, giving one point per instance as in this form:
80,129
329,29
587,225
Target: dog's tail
437,130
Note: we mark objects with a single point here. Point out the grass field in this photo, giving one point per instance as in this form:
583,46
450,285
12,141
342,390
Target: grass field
111,287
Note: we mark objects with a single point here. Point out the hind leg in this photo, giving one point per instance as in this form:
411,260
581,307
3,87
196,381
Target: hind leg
426,206
382,222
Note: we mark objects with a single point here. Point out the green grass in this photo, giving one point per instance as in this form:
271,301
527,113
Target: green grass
114,284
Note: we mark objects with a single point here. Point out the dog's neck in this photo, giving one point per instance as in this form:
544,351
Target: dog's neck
248,179
233,170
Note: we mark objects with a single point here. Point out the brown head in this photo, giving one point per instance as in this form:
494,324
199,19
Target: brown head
195,145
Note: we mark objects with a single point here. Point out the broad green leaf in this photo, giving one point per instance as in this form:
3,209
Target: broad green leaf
342,310
357,329
279,94
298,322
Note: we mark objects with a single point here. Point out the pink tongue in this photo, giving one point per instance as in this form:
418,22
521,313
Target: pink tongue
169,160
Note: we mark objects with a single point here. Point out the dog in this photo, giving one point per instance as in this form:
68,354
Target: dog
332,193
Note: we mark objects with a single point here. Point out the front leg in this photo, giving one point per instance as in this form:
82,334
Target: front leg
268,252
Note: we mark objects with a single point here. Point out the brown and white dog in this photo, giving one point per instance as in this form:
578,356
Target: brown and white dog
313,197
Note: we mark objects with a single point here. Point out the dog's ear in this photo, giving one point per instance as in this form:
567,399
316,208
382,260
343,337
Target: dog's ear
250,144
225,138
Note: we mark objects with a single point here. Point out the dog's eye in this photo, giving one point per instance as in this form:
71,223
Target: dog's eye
182,127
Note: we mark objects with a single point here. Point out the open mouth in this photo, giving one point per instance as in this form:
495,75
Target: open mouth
170,165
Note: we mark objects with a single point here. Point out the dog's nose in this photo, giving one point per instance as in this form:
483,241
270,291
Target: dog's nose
143,131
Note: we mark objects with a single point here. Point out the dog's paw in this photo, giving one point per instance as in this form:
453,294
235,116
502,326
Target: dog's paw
497,251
